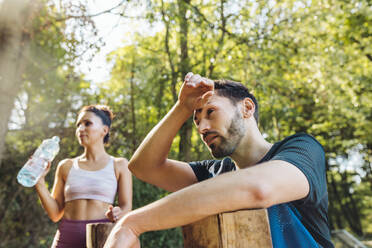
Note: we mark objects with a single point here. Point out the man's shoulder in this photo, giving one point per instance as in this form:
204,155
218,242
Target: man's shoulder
301,138
299,147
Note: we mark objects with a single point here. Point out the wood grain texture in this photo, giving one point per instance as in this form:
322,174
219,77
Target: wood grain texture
202,234
240,229
97,234
243,229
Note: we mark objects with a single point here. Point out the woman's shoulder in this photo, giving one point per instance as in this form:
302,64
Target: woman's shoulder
66,163
120,161
120,166
64,166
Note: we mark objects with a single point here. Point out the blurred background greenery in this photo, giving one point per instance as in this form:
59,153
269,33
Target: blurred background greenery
309,63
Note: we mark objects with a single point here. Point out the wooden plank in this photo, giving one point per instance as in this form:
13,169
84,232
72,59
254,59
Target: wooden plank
248,228
202,234
97,234
239,229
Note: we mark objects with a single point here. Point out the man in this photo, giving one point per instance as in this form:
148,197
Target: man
287,177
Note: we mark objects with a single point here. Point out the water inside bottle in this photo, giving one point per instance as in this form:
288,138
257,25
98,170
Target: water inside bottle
26,178
31,172
34,168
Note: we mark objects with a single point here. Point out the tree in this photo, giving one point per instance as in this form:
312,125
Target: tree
307,62
14,43
47,94
303,60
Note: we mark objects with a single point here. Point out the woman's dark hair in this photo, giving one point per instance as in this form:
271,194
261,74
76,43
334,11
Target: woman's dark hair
235,92
104,113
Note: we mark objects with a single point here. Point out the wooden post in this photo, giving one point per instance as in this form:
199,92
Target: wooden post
97,234
240,229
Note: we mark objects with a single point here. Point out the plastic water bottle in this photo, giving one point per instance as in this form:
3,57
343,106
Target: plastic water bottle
35,166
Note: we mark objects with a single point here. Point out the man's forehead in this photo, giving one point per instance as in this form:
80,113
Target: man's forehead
214,100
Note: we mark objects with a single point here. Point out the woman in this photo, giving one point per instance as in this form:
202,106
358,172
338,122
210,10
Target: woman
85,187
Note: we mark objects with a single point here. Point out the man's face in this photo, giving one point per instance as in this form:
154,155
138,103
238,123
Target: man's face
220,125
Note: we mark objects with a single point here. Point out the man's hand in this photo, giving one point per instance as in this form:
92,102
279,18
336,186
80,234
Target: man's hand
122,236
194,89
113,213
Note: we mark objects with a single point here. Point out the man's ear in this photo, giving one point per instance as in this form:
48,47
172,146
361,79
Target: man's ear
248,107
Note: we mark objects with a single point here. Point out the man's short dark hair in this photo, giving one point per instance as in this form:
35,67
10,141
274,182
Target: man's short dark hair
236,92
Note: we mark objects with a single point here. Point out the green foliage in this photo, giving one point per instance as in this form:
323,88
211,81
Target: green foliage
307,62
49,97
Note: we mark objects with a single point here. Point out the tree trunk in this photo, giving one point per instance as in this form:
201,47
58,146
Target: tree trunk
132,105
14,40
184,65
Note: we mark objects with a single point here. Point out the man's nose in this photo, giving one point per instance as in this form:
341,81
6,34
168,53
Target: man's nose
204,126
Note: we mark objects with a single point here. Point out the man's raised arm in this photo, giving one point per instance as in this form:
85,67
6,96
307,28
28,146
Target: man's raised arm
150,162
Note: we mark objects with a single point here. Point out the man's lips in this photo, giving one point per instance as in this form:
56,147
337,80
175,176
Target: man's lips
208,139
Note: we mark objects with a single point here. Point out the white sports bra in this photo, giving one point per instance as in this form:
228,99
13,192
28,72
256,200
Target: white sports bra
97,185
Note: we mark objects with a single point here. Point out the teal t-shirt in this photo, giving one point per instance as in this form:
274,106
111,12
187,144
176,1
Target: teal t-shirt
297,224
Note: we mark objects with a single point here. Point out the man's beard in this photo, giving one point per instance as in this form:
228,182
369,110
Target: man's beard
228,144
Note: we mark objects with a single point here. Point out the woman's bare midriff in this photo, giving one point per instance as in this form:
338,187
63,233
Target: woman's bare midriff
85,209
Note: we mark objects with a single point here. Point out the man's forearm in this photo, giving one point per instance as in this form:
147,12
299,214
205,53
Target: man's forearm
260,186
224,193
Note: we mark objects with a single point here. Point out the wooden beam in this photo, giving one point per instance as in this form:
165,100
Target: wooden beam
240,229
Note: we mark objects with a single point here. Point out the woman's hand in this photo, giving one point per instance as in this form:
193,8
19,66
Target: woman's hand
113,213
46,171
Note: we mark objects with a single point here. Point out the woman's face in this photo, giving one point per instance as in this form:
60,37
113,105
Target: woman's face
90,129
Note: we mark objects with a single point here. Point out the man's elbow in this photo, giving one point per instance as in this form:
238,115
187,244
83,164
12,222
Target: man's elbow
259,196
133,167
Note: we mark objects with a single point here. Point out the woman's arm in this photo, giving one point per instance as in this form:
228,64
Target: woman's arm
53,203
124,187
124,191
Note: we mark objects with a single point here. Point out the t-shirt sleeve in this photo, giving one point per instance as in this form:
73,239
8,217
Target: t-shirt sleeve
210,168
200,169
307,154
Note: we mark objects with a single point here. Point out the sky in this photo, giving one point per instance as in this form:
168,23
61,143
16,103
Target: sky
116,31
